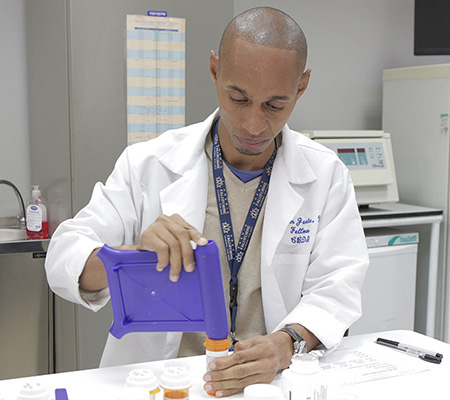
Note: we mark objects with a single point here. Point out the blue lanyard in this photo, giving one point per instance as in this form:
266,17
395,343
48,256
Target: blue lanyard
235,256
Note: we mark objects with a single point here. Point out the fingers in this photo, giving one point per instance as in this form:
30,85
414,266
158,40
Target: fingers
229,387
254,361
170,238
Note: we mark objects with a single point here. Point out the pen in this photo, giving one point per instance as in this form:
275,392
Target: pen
423,354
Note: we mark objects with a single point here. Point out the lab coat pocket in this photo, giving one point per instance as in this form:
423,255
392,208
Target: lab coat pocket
290,271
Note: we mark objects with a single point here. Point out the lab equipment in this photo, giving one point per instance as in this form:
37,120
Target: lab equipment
303,379
145,300
416,112
393,264
369,158
176,380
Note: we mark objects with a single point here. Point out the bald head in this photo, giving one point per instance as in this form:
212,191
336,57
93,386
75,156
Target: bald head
265,26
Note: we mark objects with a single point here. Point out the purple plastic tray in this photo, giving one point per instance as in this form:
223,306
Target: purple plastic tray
145,300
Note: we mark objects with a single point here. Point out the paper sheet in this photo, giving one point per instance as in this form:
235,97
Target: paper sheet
155,76
359,360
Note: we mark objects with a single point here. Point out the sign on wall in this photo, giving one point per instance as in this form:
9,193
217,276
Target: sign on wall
155,76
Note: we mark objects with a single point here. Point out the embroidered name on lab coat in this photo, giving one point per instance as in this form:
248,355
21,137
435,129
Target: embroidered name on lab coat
300,229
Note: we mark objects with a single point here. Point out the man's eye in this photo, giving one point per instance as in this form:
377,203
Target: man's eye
275,108
239,101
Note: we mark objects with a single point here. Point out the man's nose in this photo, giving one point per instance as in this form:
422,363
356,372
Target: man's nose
255,121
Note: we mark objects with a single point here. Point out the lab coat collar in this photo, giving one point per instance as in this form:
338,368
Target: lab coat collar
296,167
185,153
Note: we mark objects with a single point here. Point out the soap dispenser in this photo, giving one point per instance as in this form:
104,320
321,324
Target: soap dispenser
37,222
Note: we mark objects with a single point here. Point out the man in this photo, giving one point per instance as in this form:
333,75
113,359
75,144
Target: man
305,260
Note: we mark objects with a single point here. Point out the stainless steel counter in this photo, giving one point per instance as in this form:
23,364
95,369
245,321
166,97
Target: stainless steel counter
25,246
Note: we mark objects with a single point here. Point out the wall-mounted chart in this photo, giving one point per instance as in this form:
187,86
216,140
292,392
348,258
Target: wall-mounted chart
155,76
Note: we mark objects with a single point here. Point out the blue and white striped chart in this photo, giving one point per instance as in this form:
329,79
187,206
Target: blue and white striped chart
156,75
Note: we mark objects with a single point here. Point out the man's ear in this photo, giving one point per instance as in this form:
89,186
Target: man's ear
214,66
303,85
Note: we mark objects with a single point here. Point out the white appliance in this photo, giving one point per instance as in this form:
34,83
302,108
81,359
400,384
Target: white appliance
416,107
368,156
388,293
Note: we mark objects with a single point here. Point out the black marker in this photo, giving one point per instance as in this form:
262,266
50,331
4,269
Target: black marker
423,354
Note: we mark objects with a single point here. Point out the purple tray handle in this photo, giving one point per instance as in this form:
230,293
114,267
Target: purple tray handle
145,300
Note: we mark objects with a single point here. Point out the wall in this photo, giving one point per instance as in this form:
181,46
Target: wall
14,135
350,43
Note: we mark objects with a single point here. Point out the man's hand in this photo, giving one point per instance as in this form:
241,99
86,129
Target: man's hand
255,360
170,237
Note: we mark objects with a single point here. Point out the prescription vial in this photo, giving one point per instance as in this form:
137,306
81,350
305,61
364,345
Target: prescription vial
176,381
33,391
215,349
144,378
303,379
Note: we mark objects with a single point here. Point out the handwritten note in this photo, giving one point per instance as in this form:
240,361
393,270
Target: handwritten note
359,361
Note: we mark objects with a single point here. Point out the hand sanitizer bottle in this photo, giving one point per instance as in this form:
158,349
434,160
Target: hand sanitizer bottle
37,222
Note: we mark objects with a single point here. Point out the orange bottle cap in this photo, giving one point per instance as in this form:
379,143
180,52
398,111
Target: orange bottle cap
217,345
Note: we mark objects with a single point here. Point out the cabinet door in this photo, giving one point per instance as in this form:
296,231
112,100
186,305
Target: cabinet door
25,301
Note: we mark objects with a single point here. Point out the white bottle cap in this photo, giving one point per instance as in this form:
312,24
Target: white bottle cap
35,193
33,391
133,393
142,378
262,391
304,364
176,376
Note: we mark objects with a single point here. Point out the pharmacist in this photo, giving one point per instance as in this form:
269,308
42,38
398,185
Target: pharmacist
305,262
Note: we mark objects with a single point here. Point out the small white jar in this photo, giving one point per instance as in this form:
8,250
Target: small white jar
33,391
303,379
144,378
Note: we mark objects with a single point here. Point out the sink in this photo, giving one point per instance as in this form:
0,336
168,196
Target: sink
12,234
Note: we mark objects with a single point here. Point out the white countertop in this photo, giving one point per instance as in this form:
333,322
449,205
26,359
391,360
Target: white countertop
423,381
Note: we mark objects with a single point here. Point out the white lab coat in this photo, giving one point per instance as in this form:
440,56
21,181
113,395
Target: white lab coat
313,257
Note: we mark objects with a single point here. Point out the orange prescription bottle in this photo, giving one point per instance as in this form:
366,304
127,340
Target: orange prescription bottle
215,349
176,381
